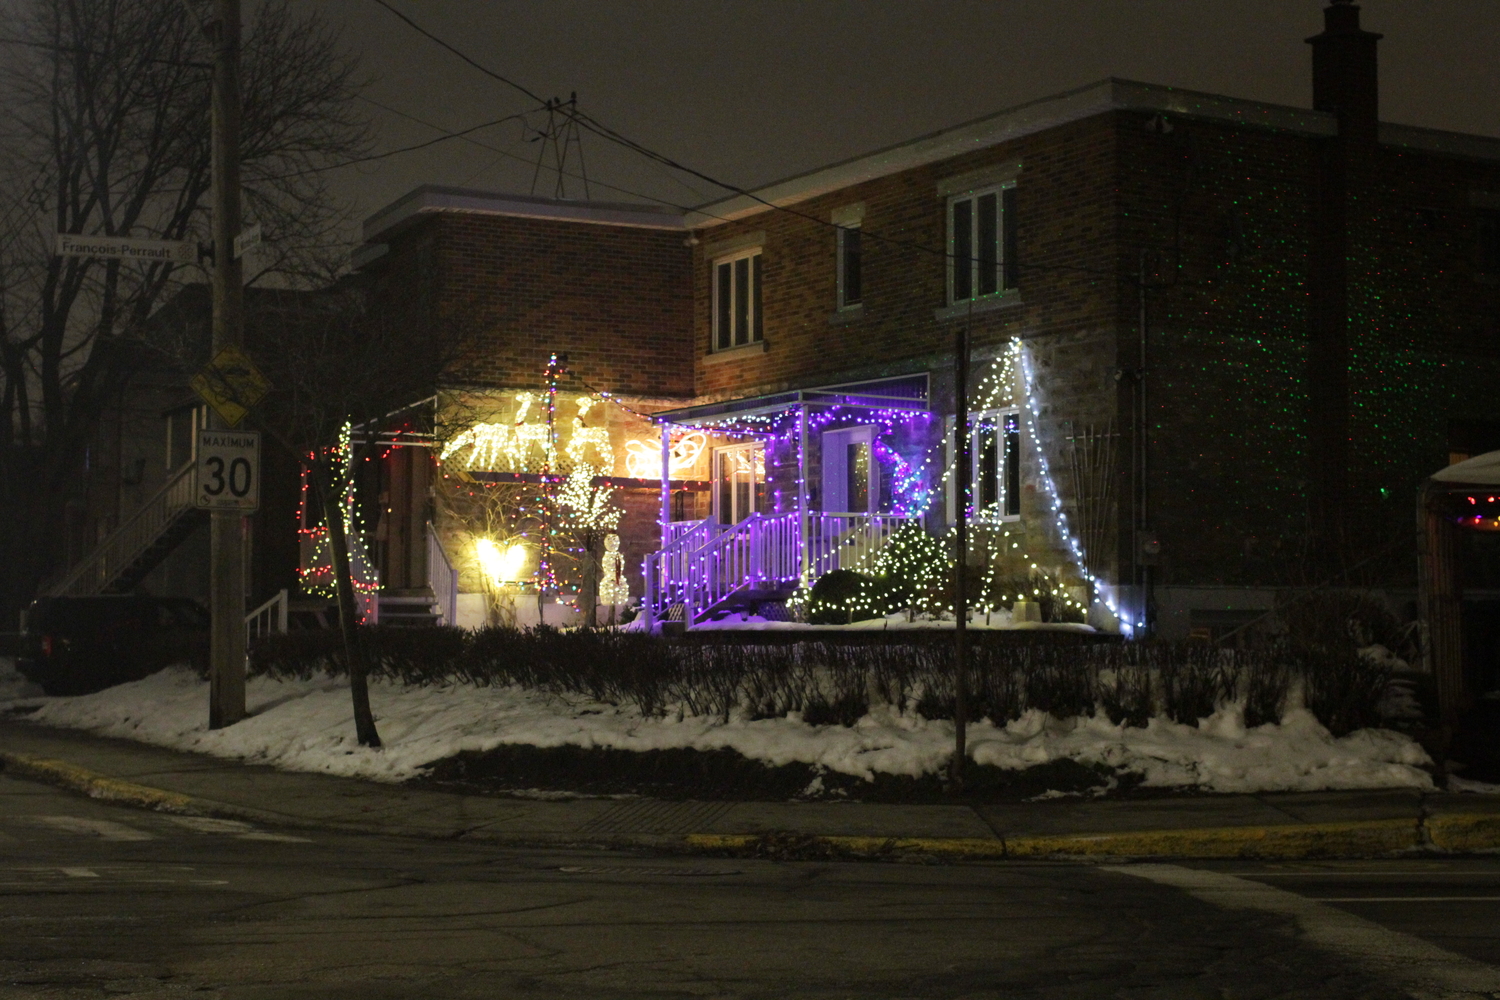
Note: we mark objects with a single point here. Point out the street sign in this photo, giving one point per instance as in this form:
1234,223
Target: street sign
126,248
247,240
231,384
229,470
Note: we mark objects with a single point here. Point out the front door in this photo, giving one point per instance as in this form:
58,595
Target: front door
739,482
851,481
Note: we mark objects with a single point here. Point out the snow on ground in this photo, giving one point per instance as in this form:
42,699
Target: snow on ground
12,684
307,726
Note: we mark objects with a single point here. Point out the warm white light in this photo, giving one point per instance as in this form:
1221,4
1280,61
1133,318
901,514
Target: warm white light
500,565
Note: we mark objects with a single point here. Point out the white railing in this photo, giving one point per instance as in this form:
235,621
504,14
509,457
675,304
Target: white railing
127,543
442,578
269,617
762,552
848,541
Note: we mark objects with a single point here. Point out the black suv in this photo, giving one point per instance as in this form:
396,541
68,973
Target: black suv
75,645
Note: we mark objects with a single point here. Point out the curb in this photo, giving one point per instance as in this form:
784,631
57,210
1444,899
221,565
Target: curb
94,785
1368,838
1458,833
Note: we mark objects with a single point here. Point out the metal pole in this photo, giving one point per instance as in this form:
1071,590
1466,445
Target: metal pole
228,530
802,513
960,563
1145,446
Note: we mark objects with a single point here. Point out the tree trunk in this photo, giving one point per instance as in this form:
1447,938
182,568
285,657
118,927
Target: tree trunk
354,651
590,581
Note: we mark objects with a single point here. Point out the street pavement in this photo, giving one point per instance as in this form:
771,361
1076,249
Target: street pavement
101,900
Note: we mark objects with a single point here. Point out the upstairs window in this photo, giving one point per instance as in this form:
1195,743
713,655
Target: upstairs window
981,244
851,283
737,319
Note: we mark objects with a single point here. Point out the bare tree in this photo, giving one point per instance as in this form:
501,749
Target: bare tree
104,130
344,377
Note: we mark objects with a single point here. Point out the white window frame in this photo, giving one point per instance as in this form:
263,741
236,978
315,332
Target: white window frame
1008,468
842,263
1004,278
754,320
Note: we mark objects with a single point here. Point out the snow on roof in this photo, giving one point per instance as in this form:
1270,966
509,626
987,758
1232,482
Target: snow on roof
1481,470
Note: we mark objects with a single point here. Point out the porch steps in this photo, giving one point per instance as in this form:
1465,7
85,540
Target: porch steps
415,607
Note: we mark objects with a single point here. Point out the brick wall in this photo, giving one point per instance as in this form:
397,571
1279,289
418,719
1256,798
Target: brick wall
615,299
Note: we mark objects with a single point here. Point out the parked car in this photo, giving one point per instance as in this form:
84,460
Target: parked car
75,645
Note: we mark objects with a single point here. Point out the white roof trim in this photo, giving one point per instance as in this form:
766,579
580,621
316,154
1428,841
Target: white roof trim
1025,119
429,198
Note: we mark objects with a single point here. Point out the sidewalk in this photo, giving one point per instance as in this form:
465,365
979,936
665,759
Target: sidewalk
1302,825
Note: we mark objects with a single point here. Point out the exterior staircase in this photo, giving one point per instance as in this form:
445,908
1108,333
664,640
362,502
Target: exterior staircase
138,545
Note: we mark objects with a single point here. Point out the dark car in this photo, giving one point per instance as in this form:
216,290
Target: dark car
75,645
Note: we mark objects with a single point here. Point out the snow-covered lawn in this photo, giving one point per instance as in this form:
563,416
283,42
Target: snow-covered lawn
307,726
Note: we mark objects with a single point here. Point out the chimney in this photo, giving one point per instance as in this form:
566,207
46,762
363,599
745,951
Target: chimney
1344,75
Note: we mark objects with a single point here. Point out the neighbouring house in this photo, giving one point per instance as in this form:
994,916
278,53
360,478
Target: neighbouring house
1214,345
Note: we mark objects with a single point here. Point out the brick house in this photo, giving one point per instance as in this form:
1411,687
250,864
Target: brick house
1215,344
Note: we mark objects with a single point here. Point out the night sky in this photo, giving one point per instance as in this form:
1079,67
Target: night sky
754,90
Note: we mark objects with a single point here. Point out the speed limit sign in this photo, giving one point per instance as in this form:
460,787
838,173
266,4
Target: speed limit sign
229,470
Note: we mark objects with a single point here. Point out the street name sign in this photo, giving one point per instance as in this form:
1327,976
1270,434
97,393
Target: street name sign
231,384
127,248
228,470
246,241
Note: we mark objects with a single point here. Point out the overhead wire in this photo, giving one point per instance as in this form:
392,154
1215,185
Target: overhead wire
609,134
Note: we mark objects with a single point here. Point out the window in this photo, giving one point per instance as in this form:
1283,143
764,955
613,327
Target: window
739,482
981,244
851,290
994,466
737,319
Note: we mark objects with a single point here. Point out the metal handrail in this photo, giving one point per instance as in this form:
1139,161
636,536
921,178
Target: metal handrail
131,539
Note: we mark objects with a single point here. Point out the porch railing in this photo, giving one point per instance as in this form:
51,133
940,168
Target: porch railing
269,617
442,578
708,563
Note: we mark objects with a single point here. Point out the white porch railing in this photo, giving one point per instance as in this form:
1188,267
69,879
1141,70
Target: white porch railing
442,578
130,541
706,563
269,617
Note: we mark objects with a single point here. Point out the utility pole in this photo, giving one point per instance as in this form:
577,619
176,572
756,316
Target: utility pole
229,530
960,562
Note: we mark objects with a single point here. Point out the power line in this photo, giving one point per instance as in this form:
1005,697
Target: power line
462,134
434,38
611,135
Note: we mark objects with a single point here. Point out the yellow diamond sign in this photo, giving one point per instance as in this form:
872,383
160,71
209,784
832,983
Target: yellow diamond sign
231,384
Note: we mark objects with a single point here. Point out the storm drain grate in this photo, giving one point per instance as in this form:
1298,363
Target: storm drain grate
624,870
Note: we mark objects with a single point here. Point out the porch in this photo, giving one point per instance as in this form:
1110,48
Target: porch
801,484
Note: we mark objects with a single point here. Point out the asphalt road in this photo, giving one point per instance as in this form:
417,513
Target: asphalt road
102,901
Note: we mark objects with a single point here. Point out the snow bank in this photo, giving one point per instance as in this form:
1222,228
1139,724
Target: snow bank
307,726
